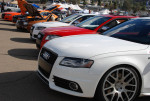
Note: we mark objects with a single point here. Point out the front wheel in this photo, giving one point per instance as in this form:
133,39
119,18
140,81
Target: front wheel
119,84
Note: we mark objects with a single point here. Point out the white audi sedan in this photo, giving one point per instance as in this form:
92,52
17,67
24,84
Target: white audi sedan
70,20
114,66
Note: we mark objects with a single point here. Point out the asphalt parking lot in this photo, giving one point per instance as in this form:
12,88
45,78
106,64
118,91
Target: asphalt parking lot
18,65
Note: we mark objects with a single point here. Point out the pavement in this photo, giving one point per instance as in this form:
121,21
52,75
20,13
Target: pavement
18,65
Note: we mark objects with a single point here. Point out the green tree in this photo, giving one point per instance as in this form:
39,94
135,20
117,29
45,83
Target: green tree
99,2
84,2
111,6
115,5
143,8
43,1
92,2
127,5
106,5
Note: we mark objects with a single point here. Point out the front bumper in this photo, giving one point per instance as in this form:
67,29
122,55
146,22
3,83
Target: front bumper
86,81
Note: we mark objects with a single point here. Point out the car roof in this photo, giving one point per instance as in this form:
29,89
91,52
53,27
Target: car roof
86,14
143,18
118,16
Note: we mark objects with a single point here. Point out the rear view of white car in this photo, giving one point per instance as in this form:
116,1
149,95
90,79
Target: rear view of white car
115,67
71,20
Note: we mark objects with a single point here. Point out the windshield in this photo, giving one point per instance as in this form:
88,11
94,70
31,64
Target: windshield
12,5
17,10
70,18
136,30
93,22
44,13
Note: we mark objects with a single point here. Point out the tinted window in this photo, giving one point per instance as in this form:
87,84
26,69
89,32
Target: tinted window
44,13
79,20
93,23
70,18
136,30
17,10
112,24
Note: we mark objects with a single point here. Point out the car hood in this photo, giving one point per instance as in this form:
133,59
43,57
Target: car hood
11,13
87,46
21,6
51,24
32,10
67,30
26,7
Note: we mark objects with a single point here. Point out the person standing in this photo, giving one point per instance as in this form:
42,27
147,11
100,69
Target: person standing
2,6
69,12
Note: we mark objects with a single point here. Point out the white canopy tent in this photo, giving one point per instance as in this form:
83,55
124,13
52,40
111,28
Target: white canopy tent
78,8
14,2
104,11
64,6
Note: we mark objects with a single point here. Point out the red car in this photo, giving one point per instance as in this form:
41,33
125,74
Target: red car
9,15
97,24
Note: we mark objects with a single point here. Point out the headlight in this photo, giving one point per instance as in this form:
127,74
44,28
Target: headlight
40,28
76,62
50,37
25,23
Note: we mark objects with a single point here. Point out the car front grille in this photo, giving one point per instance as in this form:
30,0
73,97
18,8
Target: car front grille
52,58
46,74
46,61
35,36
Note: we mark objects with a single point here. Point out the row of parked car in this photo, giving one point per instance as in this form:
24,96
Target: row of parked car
88,55
110,65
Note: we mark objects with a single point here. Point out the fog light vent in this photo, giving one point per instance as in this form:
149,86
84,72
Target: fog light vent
73,86
70,85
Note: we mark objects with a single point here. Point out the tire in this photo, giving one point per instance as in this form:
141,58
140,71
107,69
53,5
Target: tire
120,83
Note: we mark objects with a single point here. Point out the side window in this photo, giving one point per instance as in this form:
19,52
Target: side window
111,24
79,20
85,17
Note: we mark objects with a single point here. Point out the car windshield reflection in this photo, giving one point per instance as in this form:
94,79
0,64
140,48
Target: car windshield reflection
136,30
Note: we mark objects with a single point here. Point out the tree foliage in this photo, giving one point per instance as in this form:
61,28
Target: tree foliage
127,5
99,2
84,2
